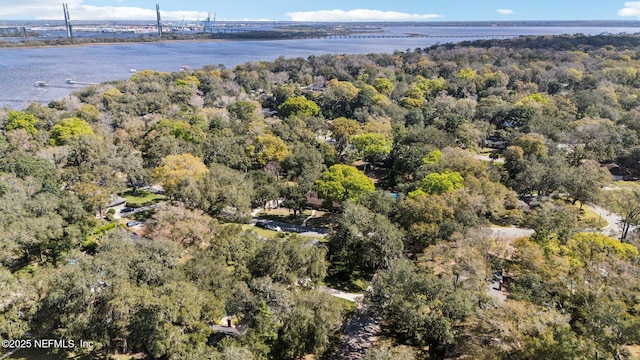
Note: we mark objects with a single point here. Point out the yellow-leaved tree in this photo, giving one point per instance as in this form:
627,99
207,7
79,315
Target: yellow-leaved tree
178,171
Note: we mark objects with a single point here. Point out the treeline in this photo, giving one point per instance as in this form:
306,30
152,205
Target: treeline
562,43
388,142
281,34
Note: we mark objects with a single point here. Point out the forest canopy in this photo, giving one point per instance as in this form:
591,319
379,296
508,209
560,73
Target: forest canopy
463,193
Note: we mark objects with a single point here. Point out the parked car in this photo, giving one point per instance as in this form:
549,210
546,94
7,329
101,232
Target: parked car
126,210
268,226
133,223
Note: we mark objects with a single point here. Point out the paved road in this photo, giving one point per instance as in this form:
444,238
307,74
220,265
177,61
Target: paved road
614,220
613,228
359,334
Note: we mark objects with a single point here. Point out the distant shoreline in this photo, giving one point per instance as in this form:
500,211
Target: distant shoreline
243,31
110,43
242,36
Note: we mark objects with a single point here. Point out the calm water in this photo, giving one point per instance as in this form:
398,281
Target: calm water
20,68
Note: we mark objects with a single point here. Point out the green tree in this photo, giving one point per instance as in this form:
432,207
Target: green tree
270,148
68,129
553,224
188,228
305,164
384,352
20,296
602,284
521,330
363,242
266,188
544,176
341,182
383,85
290,261
20,120
585,181
88,113
225,192
298,105
228,149
420,307
129,296
35,226
310,328
372,146
343,130
626,203
244,111
338,99
176,171
532,145
295,197
439,183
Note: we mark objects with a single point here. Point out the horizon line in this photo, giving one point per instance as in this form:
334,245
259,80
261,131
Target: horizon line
348,21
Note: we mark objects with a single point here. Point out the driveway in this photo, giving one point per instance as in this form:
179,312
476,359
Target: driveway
613,220
298,229
353,297
119,214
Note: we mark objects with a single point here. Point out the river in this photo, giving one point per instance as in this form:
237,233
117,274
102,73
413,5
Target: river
20,68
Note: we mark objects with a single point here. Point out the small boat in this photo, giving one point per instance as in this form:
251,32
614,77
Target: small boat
184,68
69,81
40,84
133,70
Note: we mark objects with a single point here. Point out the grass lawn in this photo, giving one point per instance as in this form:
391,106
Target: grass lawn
624,185
323,220
269,234
485,151
589,217
141,198
284,215
348,306
356,285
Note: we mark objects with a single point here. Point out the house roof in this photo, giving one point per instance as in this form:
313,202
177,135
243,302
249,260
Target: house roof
115,200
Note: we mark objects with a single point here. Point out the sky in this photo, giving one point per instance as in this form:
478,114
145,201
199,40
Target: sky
325,10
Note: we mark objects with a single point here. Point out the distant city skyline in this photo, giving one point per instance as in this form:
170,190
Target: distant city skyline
325,10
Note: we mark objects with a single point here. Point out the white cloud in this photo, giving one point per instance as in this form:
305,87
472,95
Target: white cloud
505,11
631,8
358,15
46,10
